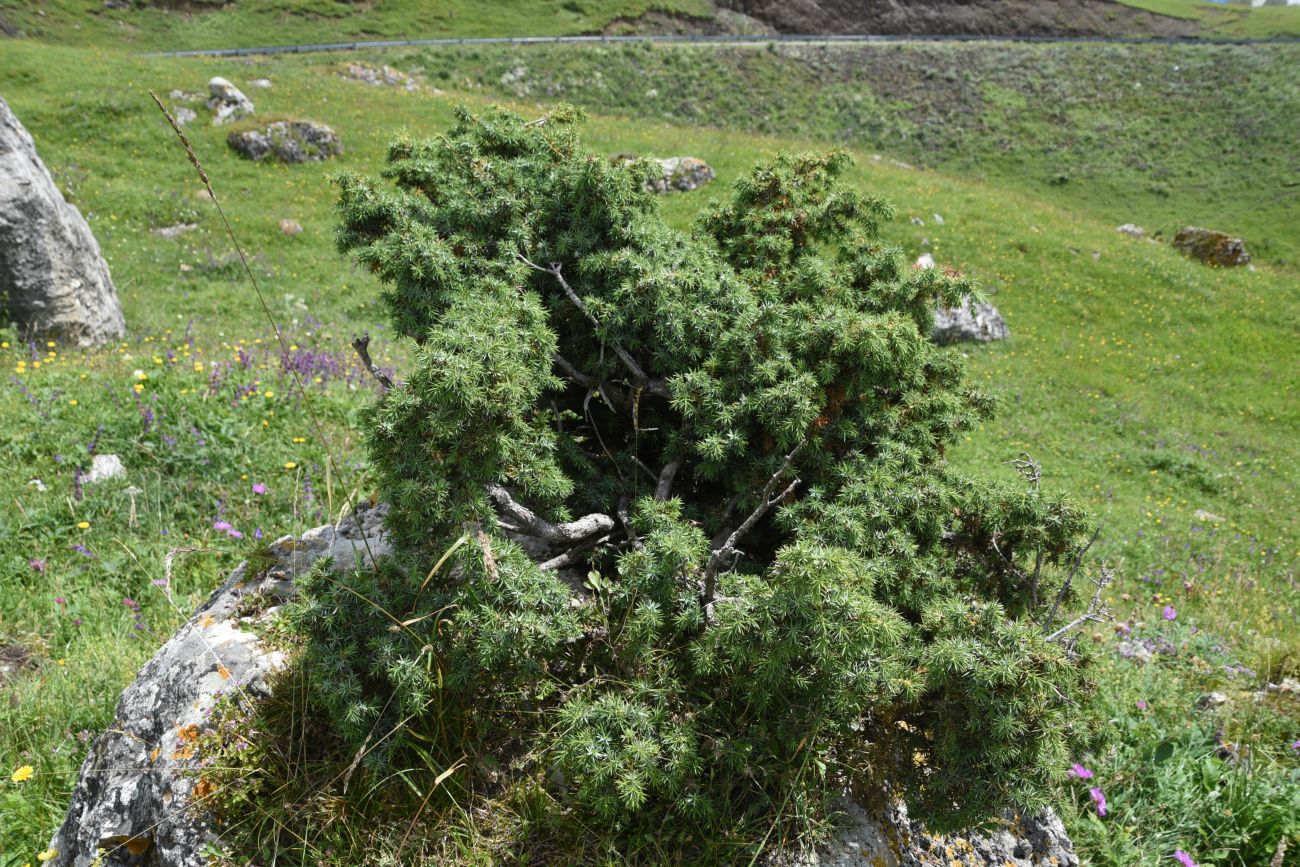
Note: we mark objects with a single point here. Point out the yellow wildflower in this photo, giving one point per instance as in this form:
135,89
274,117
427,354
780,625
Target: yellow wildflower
290,465
83,525
23,774
47,855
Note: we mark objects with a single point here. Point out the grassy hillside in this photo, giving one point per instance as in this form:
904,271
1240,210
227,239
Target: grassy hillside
1162,393
1144,134
187,24
164,25
1222,19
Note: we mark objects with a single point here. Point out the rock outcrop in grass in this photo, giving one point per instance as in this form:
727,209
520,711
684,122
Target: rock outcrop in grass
139,798
53,280
288,141
1211,247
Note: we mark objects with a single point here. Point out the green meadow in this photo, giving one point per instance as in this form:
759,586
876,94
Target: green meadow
1161,393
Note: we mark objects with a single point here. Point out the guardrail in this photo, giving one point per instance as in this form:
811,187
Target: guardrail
700,39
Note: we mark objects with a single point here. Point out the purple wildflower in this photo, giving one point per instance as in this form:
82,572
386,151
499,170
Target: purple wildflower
234,534
1141,704
59,600
259,488
37,565
1098,798
221,525
1079,772
1170,613
1183,858
130,603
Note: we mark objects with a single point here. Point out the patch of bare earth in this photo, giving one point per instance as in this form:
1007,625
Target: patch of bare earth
725,22
962,17
13,659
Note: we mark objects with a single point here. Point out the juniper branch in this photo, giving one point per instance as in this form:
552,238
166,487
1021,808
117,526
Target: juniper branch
653,386
765,502
1095,611
524,520
362,346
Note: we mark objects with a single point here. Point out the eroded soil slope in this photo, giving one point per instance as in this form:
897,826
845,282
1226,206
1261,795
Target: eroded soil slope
973,17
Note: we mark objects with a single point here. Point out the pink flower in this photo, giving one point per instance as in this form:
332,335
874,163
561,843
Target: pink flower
37,565
234,534
130,603
1099,799
59,600
259,488
1141,704
1079,772
221,525
1183,858
1170,613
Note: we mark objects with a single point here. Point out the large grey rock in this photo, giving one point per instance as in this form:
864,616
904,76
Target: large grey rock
289,141
380,76
680,174
134,794
970,322
227,101
103,468
1211,247
892,840
53,280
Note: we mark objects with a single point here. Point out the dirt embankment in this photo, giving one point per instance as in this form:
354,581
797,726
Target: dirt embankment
964,17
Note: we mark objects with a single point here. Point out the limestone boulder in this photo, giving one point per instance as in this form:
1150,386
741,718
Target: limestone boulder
380,76
1211,247
54,282
288,141
135,796
680,174
227,102
969,322
891,839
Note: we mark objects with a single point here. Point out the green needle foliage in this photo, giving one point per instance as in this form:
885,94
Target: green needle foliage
708,563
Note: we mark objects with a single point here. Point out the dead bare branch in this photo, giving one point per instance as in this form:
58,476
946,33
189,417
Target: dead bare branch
521,519
571,556
1096,610
639,378
766,501
1065,588
666,476
1030,470
362,346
